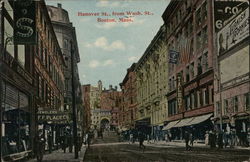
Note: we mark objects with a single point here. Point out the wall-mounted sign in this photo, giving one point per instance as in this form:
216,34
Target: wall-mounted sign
173,56
53,116
179,92
234,32
224,11
24,22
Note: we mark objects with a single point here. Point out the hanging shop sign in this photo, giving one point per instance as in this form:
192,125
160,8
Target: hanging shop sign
24,22
179,92
53,116
224,11
234,32
173,56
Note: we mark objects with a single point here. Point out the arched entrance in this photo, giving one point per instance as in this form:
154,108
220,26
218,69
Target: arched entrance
105,125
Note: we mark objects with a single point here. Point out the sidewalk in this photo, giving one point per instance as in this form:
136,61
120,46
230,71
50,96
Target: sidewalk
60,156
182,144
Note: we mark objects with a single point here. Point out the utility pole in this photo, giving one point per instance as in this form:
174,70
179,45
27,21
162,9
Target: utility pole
73,102
1,87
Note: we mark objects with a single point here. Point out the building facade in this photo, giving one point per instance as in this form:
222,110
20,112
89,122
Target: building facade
127,112
152,81
232,84
66,36
32,79
189,28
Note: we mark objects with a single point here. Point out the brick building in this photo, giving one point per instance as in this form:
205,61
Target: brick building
189,31
127,113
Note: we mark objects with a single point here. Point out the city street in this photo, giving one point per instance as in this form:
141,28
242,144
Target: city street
115,152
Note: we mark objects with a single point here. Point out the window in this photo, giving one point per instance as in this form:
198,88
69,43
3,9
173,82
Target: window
201,98
198,17
187,74
204,36
247,101
198,41
199,67
235,103
218,108
191,70
225,106
205,61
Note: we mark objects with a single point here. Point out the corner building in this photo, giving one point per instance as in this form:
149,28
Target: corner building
189,31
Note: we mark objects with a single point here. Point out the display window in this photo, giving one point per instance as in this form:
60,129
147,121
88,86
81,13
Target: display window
15,121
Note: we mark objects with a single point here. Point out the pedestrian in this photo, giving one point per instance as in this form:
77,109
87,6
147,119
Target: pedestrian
187,137
64,143
141,140
70,143
50,142
220,139
206,138
148,138
130,138
191,138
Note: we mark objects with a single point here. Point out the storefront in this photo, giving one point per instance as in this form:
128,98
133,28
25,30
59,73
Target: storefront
16,123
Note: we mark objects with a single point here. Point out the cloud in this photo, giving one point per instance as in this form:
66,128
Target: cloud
108,62
103,43
133,59
106,3
94,64
110,25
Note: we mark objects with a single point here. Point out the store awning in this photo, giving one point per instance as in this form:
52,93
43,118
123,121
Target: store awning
183,122
170,125
199,119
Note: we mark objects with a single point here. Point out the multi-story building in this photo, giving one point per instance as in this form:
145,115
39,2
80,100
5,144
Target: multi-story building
189,31
152,81
232,83
66,36
32,79
127,112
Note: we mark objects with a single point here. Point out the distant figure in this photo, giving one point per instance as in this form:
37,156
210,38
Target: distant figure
187,137
206,138
131,138
191,138
50,142
64,143
141,140
220,139
148,138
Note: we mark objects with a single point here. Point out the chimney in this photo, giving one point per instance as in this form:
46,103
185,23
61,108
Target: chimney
59,5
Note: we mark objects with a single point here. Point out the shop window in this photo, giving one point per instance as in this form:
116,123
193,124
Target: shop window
247,101
225,106
15,121
235,103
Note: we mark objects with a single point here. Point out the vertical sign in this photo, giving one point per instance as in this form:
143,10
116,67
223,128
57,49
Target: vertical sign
179,92
224,11
24,22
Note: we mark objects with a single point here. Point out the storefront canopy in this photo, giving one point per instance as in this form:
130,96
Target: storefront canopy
170,125
183,122
199,119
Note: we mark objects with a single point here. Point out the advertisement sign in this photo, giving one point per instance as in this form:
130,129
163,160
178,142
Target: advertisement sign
224,11
53,116
179,92
234,32
24,22
173,56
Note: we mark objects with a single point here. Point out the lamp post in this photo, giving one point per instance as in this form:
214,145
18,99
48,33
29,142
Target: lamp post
74,103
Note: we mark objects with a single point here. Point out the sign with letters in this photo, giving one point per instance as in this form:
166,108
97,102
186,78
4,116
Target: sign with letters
234,32
179,92
224,11
24,22
53,116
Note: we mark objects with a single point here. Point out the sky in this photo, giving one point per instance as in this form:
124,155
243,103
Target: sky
108,49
